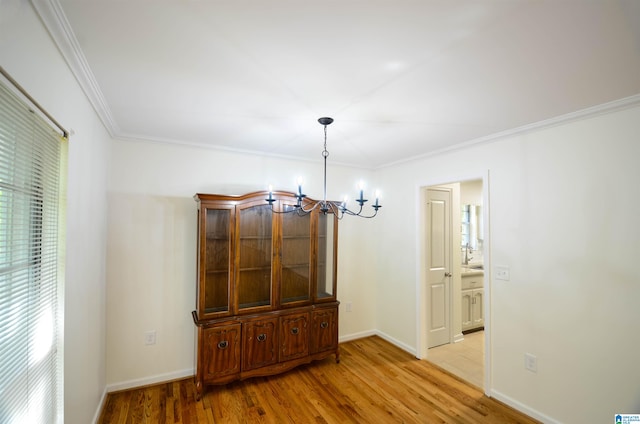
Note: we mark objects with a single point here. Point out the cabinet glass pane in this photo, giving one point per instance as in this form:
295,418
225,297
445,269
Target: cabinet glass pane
325,256
254,274
217,246
296,246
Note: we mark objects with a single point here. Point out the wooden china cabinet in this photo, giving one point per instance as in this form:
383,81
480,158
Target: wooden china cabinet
266,293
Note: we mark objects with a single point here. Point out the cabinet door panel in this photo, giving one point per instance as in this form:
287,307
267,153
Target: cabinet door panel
478,312
259,343
215,258
294,336
326,257
324,330
467,307
295,261
254,256
221,351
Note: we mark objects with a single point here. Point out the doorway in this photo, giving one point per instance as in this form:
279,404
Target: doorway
464,351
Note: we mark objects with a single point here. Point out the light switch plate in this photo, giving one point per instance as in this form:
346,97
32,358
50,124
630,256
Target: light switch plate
150,338
502,273
531,362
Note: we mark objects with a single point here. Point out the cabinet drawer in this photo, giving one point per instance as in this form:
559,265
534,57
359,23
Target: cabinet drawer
259,344
220,351
472,282
294,336
324,330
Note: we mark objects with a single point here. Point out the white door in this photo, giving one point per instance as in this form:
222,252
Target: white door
438,266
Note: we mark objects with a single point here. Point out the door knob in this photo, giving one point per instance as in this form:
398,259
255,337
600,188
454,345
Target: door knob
447,274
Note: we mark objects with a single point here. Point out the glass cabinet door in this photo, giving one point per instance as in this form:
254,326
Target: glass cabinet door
326,266
216,250
254,254
295,261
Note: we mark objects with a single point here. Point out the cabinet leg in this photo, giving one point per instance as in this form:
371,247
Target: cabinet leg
337,355
198,390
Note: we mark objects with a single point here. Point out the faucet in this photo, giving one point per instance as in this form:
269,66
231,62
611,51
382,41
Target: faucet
467,258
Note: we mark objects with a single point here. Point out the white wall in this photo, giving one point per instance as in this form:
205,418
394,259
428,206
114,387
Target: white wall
564,204
152,248
29,55
563,207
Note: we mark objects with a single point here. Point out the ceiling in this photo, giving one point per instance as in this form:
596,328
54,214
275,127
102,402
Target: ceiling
402,79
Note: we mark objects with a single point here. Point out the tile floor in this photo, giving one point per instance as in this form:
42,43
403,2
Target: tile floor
464,359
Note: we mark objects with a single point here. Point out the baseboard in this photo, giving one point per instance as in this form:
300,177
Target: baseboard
368,333
522,408
147,381
397,343
356,336
98,413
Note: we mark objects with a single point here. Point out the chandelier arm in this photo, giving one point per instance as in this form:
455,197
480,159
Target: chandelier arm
336,208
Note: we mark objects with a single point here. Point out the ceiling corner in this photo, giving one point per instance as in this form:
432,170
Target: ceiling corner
59,29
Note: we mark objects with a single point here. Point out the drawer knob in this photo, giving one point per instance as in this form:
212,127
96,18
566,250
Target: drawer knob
223,344
324,324
294,330
262,337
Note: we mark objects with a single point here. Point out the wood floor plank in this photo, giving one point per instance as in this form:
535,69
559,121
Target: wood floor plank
374,382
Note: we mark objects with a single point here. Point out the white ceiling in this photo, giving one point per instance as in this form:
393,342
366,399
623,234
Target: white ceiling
401,78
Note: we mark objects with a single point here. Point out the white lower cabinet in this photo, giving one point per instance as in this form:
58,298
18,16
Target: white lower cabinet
472,301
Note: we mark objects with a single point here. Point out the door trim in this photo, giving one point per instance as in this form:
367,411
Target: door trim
421,292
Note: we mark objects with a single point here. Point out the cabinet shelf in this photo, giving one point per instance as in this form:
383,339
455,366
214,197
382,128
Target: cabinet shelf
255,268
295,299
216,309
252,305
298,265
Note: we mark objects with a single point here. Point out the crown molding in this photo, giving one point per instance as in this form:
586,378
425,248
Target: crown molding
59,29
601,109
58,26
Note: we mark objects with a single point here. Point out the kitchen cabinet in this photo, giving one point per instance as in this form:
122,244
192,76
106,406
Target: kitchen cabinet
472,300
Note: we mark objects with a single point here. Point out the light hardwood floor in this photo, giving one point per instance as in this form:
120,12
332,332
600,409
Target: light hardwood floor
464,359
375,382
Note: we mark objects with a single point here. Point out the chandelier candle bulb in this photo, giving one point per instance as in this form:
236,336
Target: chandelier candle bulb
361,187
299,181
270,199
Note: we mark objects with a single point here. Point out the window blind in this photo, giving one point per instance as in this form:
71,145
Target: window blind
31,155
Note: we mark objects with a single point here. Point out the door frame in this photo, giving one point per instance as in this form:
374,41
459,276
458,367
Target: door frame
422,300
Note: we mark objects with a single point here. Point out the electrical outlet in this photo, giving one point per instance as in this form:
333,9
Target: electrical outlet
348,306
530,362
502,273
150,337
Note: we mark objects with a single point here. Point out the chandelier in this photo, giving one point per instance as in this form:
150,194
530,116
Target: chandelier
340,209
